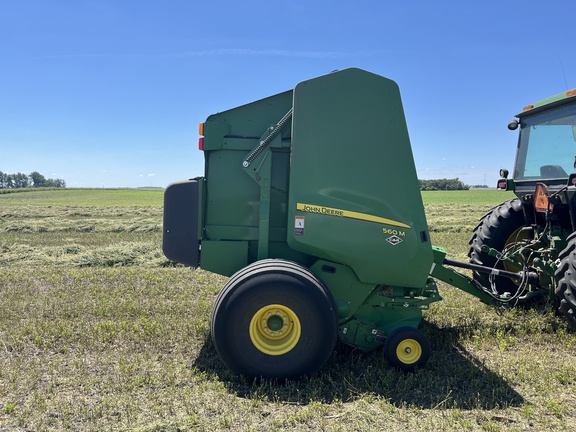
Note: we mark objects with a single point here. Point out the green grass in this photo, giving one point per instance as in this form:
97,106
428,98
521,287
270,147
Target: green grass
83,197
472,197
452,215
98,332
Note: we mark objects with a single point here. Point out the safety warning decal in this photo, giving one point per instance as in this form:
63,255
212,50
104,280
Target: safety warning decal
299,226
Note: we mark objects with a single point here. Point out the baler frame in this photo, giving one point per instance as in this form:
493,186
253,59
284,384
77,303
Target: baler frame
315,246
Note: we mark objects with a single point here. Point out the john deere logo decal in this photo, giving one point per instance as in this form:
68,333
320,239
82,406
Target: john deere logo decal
394,240
329,211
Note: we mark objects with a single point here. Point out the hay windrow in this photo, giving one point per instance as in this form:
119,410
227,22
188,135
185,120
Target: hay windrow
98,331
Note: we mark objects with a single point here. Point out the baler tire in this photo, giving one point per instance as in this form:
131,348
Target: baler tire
274,319
566,282
496,229
407,348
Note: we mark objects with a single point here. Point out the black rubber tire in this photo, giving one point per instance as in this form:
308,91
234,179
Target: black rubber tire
494,230
274,282
566,282
407,348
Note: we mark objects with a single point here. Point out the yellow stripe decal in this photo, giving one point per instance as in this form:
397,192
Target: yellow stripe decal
329,211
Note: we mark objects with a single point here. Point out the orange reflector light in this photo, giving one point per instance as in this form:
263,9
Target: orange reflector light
201,129
541,203
201,144
527,107
571,92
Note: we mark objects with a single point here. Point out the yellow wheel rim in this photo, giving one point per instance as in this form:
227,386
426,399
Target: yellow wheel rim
409,351
275,329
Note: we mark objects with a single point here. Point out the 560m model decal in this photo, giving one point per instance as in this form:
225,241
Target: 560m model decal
329,211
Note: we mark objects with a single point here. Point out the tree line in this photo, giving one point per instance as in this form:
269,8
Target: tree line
34,179
442,184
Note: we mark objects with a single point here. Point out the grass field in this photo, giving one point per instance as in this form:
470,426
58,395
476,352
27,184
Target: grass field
98,331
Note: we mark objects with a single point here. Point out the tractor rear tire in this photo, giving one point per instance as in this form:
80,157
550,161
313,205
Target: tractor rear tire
566,282
274,319
407,348
496,229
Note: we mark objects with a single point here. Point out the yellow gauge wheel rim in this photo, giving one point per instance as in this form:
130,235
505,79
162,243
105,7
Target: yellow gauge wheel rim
275,329
409,351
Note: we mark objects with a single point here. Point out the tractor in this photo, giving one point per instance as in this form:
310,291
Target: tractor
310,204
535,230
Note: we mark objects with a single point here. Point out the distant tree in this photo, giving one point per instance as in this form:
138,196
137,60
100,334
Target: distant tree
20,180
3,180
59,183
442,184
37,179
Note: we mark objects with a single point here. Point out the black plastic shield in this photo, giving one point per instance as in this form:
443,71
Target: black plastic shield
180,241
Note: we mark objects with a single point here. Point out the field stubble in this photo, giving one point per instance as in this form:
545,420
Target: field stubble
98,331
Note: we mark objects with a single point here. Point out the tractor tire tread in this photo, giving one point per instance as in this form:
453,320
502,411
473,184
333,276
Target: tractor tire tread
493,229
566,282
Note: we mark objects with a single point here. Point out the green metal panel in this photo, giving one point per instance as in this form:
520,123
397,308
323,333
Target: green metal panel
246,215
224,257
367,313
354,193
232,200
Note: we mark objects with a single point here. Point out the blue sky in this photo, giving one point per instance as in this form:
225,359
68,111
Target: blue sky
109,93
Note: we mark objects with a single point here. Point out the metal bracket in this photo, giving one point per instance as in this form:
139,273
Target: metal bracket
273,132
262,174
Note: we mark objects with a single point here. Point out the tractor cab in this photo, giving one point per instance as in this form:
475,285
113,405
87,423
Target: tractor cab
544,172
546,151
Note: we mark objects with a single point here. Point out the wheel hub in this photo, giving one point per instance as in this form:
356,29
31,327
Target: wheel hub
275,329
409,351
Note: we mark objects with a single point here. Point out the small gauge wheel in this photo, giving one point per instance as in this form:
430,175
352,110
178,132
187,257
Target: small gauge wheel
407,348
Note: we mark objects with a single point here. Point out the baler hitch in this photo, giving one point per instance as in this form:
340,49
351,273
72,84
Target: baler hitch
441,271
527,276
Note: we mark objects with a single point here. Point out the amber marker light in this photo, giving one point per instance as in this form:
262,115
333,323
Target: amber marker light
201,139
541,203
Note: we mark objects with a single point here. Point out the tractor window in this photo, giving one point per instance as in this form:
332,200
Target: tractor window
547,146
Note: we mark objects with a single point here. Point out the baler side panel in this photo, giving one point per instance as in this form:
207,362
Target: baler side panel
233,198
354,192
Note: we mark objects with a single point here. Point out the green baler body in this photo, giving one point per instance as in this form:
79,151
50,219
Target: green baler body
353,180
230,230
344,173
335,190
